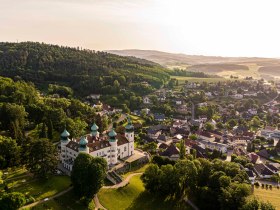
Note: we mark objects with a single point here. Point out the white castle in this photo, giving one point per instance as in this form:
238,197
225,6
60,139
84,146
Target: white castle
112,147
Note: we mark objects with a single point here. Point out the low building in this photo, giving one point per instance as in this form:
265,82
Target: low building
263,171
213,145
172,152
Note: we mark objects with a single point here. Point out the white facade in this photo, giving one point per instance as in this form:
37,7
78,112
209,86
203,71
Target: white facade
111,149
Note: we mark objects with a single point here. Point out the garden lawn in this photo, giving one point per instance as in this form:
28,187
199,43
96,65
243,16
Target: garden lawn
273,196
134,197
43,188
66,201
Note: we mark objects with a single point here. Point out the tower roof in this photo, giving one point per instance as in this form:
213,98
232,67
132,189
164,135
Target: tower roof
65,133
83,141
94,127
112,133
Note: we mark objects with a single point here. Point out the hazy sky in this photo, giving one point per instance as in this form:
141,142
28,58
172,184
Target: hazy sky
208,27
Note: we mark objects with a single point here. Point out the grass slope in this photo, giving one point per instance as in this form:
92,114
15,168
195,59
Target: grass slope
134,197
273,196
66,201
41,188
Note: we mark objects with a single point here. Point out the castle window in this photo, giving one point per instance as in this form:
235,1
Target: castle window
124,148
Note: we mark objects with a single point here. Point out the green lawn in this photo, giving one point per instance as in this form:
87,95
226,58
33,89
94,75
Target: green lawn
273,196
136,170
66,201
136,119
134,197
41,188
13,173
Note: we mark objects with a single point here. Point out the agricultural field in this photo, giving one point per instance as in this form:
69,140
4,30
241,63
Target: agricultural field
197,79
273,196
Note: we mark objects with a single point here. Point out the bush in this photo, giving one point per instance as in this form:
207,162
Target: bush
270,186
257,184
262,185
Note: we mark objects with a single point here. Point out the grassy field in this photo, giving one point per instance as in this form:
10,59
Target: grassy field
41,188
136,119
273,196
134,197
136,170
66,201
197,79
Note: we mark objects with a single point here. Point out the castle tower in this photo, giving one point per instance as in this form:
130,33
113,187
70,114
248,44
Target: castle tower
114,147
129,134
64,140
83,145
94,130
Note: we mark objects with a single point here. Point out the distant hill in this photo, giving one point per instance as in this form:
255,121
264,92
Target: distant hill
86,71
224,66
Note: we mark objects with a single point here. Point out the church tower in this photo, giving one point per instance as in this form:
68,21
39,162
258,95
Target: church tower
83,145
94,130
114,147
129,134
64,140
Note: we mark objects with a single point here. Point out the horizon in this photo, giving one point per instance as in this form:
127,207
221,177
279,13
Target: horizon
216,28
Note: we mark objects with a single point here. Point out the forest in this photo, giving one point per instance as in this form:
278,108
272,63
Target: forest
85,71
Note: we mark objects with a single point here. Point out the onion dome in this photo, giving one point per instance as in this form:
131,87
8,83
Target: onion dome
64,135
112,133
94,127
83,141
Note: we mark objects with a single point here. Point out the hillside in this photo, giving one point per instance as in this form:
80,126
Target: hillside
223,66
86,71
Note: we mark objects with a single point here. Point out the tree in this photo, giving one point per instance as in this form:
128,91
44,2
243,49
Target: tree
12,201
209,126
182,149
9,152
193,137
76,127
41,158
254,204
88,175
13,118
150,178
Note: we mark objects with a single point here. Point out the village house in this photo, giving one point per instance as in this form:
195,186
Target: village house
147,100
213,145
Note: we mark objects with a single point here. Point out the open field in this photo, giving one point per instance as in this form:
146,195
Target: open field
273,196
223,66
198,79
134,197
66,201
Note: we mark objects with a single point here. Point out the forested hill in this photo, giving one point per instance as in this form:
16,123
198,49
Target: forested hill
86,71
